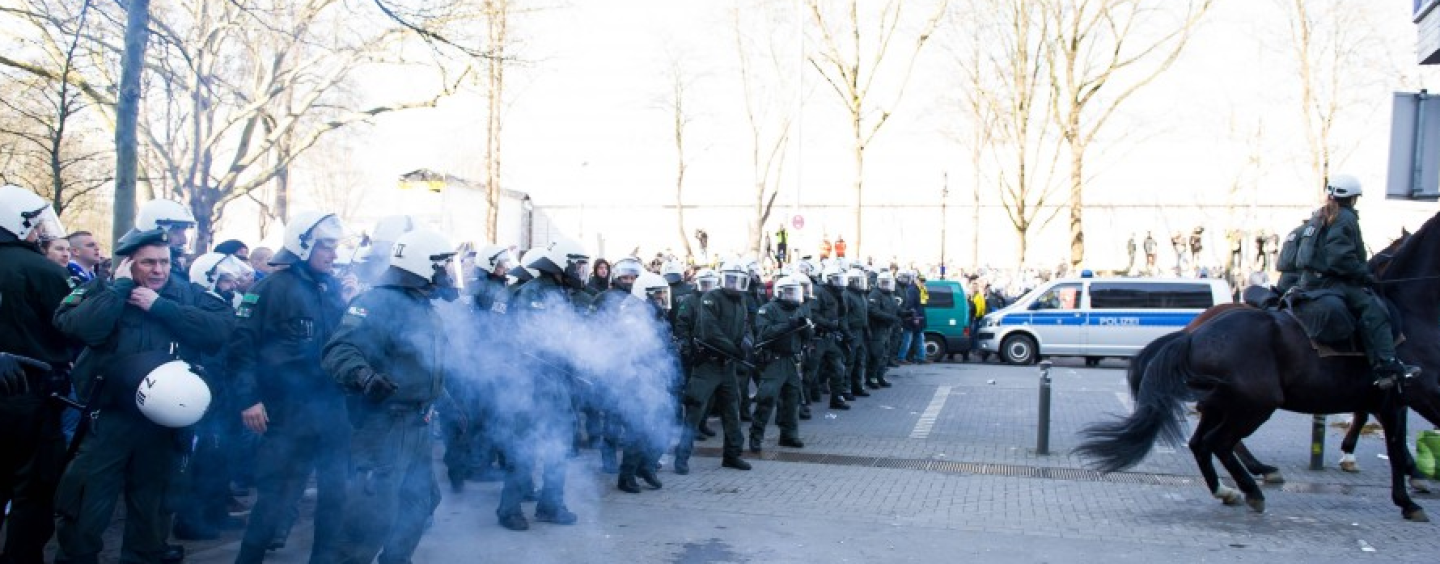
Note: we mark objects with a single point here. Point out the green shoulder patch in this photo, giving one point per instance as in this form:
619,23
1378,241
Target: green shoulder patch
250,299
75,297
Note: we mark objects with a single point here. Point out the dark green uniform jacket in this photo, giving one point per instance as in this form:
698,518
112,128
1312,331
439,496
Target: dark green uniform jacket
775,319
97,315
720,321
31,288
393,331
282,325
1342,251
857,317
883,313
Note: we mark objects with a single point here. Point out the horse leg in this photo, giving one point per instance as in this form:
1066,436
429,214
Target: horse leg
1222,442
1392,419
1200,448
1268,473
1347,446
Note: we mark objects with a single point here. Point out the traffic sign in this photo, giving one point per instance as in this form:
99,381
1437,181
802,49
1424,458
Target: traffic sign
798,222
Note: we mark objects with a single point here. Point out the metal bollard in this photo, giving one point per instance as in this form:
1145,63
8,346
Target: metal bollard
1042,435
1317,443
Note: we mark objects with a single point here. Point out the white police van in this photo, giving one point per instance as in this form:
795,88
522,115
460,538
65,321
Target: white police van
1096,317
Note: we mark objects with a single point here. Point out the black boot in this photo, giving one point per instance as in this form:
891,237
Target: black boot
648,474
735,462
859,391
756,442
872,384
628,485
792,442
883,382
1389,371
836,402
805,413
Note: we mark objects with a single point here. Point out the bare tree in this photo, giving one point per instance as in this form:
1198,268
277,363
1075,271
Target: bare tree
1109,46
1332,46
127,113
497,19
1007,90
678,86
769,112
849,61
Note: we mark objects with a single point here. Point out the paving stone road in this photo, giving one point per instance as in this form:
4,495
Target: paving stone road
864,490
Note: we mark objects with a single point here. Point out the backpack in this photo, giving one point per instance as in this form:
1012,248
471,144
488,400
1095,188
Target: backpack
1307,249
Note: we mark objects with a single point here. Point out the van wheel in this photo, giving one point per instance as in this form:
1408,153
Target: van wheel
934,347
1018,349
1092,361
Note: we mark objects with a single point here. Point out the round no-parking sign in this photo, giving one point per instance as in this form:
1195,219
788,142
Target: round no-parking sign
798,222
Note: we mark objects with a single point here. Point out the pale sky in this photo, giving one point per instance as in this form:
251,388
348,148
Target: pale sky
585,126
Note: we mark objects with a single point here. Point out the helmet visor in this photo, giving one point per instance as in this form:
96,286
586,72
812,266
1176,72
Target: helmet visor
793,293
328,232
886,284
45,223
735,280
859,281
578,270
837,279
660,296
625,267
707,283
231,268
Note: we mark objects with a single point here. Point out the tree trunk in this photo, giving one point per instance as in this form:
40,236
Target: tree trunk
1024,245
127,113
497,14
856,241
1077,204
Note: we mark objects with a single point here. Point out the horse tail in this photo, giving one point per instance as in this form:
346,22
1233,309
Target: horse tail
1120,444
1135,372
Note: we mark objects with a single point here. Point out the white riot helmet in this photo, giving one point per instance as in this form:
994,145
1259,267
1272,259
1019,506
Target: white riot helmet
653,288
1343,186
173,396
307,230
23,212
885,281
625,267
163,214
495,259
856,279
210,269
566,258
673,270
427,256
388,229
706,280
808,267
904,277
734,277
791,289
833,276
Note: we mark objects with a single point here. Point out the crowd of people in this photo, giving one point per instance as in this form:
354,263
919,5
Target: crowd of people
179,381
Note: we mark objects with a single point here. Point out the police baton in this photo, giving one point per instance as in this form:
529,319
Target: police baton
562,370
725,355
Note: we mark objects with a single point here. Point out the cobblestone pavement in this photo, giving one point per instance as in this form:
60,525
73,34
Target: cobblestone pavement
864,490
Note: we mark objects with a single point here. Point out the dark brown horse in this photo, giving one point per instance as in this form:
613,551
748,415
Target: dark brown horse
1244,364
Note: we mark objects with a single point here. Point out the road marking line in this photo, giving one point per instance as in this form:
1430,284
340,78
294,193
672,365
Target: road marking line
932,412
1125,401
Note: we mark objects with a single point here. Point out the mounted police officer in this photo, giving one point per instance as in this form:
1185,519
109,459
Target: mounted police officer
32,445
719,329
131,329
781,330
388,356
541,423
1333,258
274,361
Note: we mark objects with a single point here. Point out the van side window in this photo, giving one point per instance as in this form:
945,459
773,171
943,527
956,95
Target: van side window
1143,295
940,296
1062,297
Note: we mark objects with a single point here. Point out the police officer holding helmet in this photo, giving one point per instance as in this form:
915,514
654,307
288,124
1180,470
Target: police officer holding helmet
132,329
283,394
32,354
387,355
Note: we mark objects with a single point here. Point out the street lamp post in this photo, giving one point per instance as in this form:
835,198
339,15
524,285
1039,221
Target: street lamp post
944,199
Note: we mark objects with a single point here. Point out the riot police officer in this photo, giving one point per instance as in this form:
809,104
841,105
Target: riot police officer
780,331
32,444
646,435
606,426
129,328
470,450
539,425
829,324
884,315
857,329
387,355
274,362
720,326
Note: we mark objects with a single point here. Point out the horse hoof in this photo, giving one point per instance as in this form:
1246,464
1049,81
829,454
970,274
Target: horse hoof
1273,478
1419,485
1256,504
1349,466
1416,516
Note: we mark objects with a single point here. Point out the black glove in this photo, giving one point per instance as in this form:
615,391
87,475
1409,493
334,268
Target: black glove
798,322
377,387
12,373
